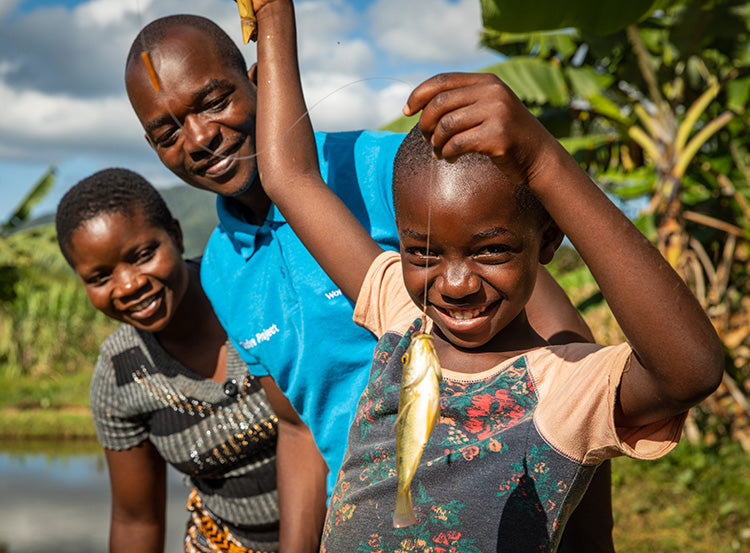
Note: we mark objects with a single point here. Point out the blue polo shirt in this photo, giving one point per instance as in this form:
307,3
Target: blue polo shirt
284,315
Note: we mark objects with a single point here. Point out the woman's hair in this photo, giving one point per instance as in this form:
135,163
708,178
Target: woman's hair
108,191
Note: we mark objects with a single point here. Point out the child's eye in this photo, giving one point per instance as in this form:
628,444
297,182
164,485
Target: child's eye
419,251
493,252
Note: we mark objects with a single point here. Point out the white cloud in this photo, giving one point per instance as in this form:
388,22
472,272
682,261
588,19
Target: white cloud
108,13
42,125
427,30
61,71
339,101
6,7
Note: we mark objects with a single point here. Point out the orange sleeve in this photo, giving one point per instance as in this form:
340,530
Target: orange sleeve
383,303
577,389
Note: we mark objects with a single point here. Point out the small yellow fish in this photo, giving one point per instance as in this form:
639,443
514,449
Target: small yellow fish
418,412
247,18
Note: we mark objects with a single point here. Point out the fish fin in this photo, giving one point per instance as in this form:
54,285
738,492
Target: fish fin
432,423
403,515
438,372
402,412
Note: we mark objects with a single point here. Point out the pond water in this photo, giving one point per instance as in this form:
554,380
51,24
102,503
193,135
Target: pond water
53,500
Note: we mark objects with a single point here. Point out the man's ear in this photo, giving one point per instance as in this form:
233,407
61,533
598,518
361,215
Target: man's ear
175,231
552,237
252,74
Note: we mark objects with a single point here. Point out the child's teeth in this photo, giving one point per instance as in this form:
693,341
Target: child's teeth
464,313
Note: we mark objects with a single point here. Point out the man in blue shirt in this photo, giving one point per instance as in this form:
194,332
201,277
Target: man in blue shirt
281,311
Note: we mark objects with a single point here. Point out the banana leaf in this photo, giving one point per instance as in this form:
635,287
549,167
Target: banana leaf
597,17
534,80
35,195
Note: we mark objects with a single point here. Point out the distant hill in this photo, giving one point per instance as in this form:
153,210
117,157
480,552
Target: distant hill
195,209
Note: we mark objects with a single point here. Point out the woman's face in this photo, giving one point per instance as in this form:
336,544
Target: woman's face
132,271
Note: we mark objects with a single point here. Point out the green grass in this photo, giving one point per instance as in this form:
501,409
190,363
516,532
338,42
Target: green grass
50,391
694,500
52,407
59,425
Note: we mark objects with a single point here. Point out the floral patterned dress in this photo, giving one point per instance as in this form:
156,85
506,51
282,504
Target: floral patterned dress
486,480
510,458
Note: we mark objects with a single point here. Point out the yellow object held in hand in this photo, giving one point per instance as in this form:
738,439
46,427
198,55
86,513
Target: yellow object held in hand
247,18
418,413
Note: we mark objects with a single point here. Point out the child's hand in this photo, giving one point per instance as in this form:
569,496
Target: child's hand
477,112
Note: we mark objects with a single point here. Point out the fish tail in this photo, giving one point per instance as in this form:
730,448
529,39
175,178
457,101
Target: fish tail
404,513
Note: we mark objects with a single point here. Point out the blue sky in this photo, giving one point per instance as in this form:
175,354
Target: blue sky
63,98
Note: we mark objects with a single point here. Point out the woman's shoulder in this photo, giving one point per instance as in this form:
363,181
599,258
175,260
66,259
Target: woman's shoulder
122,339
125,340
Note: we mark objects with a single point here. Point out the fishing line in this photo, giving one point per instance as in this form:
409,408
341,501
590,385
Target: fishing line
146,58
158,88
433,173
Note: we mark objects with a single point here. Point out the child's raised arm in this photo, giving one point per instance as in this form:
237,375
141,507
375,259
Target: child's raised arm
679,358
288,162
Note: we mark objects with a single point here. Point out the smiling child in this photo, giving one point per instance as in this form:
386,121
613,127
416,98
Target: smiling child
482,195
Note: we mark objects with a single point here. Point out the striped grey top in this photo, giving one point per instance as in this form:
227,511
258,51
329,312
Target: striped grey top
223,436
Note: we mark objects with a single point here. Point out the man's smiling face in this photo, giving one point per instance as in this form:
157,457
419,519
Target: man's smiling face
201,122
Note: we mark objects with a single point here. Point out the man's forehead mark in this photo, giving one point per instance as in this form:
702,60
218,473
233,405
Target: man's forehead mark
196,98
146,57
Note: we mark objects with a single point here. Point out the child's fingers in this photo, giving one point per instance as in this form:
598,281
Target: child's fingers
406,338
427,90
445,111
456,133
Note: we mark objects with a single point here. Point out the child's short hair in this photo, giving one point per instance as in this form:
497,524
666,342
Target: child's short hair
108,191
153,34
414,156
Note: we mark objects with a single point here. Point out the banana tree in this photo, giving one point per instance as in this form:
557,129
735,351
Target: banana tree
9,272
34,196
658,110
598,17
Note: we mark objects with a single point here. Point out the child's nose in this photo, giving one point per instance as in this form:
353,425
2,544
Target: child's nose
458,282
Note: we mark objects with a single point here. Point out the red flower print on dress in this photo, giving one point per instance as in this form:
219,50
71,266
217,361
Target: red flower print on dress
489,414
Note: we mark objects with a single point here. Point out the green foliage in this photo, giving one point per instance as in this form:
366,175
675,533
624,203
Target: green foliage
47,326
657,111
47,424
402,124
196,211
600,17
695,499
37,192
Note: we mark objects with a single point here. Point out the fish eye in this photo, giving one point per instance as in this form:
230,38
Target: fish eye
405,358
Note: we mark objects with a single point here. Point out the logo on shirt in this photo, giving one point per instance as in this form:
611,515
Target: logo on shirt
333,294
262,336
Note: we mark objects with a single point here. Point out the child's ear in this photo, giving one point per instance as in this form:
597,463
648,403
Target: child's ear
252,74
552,237
175,232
